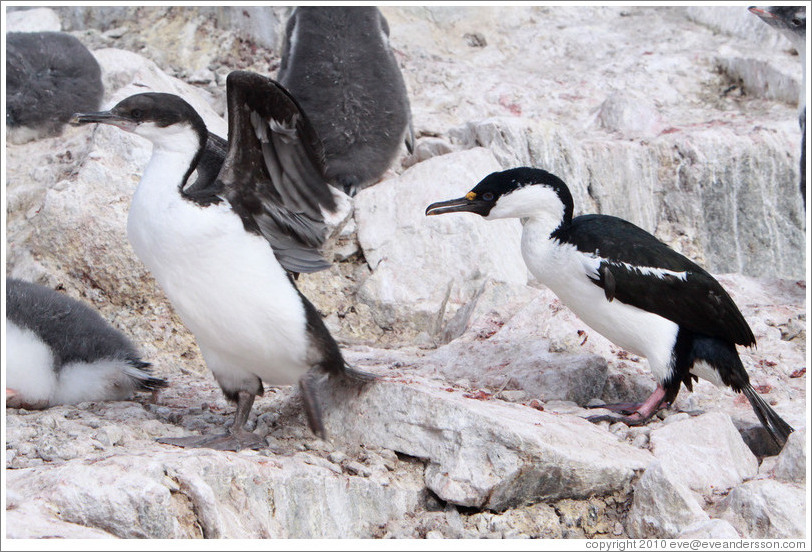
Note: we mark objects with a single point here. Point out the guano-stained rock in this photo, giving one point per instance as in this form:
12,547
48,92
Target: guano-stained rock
481,453
663,506
719,458
767,509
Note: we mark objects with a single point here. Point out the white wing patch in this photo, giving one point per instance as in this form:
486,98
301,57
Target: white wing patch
591,264
660,273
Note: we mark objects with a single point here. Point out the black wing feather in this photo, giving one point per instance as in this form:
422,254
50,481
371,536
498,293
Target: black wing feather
206,188
697,302
273,172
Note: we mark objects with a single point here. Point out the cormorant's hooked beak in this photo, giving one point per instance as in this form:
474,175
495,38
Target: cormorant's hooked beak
469,203
104,117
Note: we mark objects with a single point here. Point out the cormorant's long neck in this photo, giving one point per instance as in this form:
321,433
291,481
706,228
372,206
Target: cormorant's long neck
176,151
550,224
174,157
202,136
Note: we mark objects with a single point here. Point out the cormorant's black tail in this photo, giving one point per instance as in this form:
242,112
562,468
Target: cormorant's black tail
356,376
778,429
724,358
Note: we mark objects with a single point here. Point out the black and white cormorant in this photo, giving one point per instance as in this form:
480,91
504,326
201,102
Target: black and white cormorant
49,77
628,286
791,22
338,64
222,224
61,351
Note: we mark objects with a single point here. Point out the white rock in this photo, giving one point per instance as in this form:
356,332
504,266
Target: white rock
484,454
525,363
630,115
203,493
493,305
719,458
424,266
791,463
32,21
262,25
26,519
710,529
663,506
767,509
739,22
762,77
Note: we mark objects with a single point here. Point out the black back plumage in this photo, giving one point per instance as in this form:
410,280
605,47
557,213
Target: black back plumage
49,76
337,63
72,330
698,302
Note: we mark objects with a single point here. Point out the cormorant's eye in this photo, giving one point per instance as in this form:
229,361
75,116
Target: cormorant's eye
136,113
487,196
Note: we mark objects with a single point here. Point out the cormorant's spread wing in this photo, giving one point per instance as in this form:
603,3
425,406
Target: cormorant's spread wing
273,174
634,267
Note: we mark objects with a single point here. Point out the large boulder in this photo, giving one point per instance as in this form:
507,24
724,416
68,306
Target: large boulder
767,509
424,268
719,457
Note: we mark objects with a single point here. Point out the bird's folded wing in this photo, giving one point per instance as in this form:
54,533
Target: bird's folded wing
634,267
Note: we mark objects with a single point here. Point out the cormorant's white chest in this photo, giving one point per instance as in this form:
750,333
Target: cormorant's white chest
224,282
564,269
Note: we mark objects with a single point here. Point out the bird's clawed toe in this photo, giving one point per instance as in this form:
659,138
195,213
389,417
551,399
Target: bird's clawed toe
227,441
633,419
619,408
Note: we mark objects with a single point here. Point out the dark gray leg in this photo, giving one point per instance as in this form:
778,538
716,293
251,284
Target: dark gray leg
236,439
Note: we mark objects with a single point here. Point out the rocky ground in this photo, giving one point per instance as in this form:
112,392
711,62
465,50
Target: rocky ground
679,119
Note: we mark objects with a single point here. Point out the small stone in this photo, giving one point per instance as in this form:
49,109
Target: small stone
118,32
620,429
390,459
640,440
357,468
475,40
109,435
676,417
513,395
201,76
336,457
